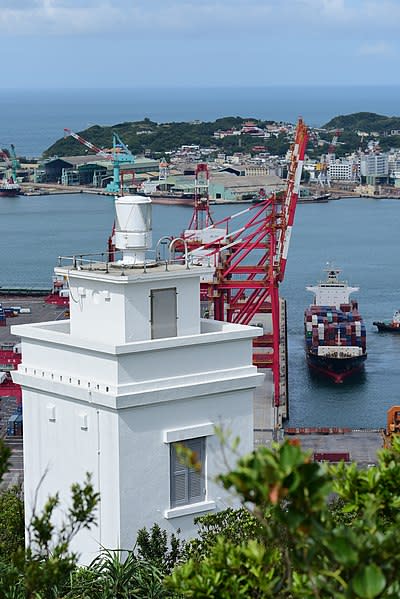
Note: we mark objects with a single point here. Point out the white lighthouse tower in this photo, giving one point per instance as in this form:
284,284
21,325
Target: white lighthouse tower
134,372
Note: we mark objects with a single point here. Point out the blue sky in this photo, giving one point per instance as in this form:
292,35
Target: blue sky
128,43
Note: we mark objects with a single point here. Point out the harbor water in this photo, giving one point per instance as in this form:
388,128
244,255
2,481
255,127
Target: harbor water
357,235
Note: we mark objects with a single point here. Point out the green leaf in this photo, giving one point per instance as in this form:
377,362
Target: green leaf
369,582
343,551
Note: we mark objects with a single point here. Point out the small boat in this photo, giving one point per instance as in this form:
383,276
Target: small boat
322,197
314,199
9,189
392,326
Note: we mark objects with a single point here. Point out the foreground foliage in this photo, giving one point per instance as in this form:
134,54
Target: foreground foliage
305,531
307,546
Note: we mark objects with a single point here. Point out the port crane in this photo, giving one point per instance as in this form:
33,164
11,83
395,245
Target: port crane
250,260
201,216
119,154
248,252
12,162
323,166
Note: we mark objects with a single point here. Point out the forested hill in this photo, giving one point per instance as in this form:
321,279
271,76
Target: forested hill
364,121
162,137
158,138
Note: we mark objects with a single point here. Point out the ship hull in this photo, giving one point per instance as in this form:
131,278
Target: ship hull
323,198
384,327
9,193
336,369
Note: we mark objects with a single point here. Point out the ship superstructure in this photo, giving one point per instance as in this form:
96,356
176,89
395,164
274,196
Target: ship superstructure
334,330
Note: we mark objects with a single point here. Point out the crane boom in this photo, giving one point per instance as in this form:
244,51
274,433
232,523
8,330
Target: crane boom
290,199
118,140
88,144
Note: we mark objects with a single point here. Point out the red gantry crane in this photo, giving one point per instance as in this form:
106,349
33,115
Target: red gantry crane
248,251
201,217
250,261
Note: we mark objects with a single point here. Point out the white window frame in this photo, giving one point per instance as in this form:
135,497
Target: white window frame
184,434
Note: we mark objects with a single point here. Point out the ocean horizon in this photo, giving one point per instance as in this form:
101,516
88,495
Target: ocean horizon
33,119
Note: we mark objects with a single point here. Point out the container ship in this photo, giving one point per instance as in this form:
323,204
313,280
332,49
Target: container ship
334,330
391,326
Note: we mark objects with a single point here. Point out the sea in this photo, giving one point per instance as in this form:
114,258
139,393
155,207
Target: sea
358,235
33,120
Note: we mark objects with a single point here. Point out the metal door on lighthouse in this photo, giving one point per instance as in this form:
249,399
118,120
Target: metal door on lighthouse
163,313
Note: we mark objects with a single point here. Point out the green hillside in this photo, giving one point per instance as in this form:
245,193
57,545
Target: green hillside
162,137
364,121
158,138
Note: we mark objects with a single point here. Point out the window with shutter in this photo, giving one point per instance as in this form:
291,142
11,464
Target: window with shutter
187,484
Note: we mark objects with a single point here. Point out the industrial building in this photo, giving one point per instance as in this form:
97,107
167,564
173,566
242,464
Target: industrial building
229,187
92,170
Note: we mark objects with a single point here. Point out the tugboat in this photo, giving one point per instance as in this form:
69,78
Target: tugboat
391,326
334,330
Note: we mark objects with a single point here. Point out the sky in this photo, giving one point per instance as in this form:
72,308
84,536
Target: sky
130,43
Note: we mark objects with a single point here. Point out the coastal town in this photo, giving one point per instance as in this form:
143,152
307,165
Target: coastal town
255,166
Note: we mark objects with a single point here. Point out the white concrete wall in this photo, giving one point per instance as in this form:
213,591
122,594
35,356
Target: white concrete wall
120,312
97,310
143,450
58,453
138,308
60,364
183,360
88,370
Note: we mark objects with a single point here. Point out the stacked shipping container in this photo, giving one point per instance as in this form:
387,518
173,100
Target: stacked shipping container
330,326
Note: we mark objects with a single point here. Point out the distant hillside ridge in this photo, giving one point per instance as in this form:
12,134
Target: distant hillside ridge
364,121
157,139
144,135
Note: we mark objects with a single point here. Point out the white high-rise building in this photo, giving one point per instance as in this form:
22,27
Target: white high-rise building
374,165
134,372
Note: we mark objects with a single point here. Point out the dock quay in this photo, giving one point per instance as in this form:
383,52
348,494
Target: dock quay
39,189
361,446
16,292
